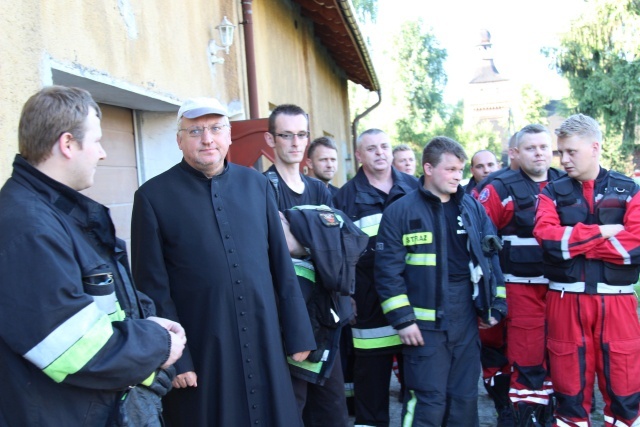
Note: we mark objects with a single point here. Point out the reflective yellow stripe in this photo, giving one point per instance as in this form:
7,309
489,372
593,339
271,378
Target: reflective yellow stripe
425,314
420,259
501,292
315,367
149,379
417,238
369,224
76,356
304,269
375,337
393,303
64,336
310,275
407,421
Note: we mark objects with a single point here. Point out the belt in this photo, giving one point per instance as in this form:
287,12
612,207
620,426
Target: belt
520,241
538,280
601,288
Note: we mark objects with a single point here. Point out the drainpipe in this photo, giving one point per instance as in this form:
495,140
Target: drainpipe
249,49
354,128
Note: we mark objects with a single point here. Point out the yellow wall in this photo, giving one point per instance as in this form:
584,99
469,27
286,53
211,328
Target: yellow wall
294,68
160,47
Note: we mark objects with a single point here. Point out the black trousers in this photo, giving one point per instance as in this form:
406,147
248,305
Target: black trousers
322,405
441,377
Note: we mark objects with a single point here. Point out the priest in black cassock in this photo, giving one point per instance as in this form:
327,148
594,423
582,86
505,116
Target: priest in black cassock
208,248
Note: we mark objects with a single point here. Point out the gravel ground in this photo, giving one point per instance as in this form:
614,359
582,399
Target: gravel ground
486,409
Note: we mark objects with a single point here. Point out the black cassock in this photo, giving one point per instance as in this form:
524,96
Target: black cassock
212,255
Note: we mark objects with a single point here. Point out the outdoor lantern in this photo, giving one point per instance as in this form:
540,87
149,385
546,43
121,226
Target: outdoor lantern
225,28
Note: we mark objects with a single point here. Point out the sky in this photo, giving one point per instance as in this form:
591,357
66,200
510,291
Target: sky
519,29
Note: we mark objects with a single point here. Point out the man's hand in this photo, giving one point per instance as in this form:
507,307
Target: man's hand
610,230
177,336
188,379
296,250
411,335
177,345
169,325
483,325
299,357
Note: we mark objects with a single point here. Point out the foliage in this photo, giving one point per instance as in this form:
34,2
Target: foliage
599,56
420,63
532,106
366,10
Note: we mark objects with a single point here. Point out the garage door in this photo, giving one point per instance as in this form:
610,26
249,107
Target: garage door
116,177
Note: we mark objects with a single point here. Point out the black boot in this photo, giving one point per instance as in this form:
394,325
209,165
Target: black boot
526,415
506,417
544,414
499,393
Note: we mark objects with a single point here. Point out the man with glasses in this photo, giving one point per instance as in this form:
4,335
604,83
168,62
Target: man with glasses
363,199
209,249
318,384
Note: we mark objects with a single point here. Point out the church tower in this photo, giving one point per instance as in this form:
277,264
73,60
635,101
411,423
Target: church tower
489,95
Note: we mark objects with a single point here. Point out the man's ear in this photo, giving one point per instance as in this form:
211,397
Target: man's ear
65,145
427,168
309,164
269,140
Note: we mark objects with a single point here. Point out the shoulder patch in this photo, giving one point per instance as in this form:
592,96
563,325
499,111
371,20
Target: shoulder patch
484,195
329,219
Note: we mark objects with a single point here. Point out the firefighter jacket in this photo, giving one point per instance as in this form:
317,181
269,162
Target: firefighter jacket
327,279
69,344
364,206
510,200
411,260
576,256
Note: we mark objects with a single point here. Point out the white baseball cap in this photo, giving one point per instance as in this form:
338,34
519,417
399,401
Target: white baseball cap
195,107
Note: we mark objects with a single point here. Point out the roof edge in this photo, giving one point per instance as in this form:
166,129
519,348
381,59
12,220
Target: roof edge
352,24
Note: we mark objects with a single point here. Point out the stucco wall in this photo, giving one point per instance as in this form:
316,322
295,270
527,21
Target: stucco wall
293,67
158,47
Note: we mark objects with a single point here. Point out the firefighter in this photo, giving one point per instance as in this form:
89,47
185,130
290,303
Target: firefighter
364,198
436,271
510,201
588,223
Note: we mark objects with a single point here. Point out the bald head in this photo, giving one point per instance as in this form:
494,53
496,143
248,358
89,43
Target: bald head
482,164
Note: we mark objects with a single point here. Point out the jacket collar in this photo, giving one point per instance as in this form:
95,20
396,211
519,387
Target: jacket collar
399,182
196,173
457,197
88,213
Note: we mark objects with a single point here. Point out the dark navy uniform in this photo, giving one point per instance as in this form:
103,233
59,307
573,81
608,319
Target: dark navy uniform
420,278
375,341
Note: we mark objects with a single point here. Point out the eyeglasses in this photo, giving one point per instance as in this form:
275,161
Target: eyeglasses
198,131
289,136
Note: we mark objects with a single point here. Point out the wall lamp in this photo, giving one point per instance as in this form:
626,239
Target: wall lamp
226,39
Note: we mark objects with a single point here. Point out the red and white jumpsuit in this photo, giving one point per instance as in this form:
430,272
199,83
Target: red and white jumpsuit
510,202
593,326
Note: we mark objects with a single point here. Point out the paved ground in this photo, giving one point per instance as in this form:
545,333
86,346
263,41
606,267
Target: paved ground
486,409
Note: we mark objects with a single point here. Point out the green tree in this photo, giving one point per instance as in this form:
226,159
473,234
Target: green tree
366,10
599,58
532,106
420,63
